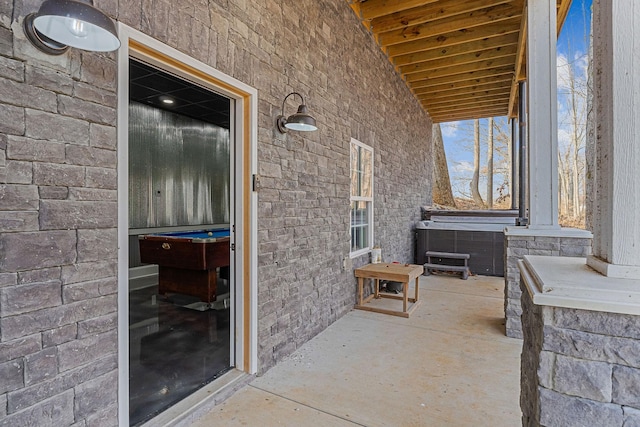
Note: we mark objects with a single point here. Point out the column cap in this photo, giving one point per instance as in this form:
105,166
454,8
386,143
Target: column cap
547,232
568,282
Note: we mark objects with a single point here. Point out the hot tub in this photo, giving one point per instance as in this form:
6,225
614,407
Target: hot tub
482,238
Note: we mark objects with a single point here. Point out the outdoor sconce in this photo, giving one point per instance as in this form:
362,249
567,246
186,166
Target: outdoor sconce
300,121
60,24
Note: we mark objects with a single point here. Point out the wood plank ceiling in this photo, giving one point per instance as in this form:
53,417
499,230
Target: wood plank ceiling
462,59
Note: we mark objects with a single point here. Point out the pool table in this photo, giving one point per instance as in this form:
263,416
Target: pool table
188,261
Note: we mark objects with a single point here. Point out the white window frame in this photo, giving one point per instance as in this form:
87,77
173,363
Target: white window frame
370,200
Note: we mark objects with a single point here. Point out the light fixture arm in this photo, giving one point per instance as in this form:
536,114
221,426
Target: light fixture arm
285,100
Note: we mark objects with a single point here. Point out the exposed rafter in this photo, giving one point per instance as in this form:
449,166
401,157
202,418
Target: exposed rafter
464,86
462,22
454,61
428,13
461,59
455,38
370,9
460,49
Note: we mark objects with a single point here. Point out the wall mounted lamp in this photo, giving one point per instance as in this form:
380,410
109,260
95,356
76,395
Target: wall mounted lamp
300,121
60,24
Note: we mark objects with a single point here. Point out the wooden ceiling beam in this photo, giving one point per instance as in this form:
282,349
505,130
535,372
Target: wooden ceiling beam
520,72
492,82
491,64
455,38
563,11
464,22
500,92
355,6
460,49
494,105
428,13
466,102
468,94
463,77
371,9
514,97
461,59
481,114
499,98
500,109
479,111
466,116
521,64
522,47
454,61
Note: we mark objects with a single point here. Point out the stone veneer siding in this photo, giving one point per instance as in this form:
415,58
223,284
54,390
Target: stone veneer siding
58,186
579,367
515,248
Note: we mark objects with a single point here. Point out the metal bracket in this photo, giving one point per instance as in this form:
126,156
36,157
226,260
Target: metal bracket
256,182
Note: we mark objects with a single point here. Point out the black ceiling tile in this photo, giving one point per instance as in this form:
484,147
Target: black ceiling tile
148,85
142,93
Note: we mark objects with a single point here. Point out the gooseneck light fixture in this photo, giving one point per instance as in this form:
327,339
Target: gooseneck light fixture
60,24
300,121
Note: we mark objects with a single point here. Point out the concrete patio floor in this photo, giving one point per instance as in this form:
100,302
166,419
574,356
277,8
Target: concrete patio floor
449,364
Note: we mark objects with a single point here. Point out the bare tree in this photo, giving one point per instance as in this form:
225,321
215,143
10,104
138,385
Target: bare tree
442,193
502,160
490,164
572,124
475,192
462,171
509,173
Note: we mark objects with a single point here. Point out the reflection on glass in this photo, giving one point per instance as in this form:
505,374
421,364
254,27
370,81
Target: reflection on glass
366,167
355,171
173,350
361,171
178,169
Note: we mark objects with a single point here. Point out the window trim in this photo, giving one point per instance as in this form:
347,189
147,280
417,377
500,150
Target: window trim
371,200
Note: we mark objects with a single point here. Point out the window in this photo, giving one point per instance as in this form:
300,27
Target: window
361,198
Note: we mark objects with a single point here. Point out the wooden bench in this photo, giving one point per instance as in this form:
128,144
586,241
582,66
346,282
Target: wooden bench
394,272
436,261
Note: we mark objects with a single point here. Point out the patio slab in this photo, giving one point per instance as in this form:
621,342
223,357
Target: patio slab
448,364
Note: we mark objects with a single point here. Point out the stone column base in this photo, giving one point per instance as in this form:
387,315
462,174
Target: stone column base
580,364
521,241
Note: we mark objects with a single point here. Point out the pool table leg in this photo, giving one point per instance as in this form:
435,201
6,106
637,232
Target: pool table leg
198,283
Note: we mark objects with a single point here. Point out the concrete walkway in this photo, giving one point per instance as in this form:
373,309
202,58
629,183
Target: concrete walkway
448,365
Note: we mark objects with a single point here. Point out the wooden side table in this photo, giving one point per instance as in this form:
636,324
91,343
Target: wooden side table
403,273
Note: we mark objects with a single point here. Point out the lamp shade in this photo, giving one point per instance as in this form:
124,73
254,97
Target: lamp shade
77,24
301,121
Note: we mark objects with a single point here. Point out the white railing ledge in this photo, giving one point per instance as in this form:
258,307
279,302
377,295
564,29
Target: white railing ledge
561,232
569,283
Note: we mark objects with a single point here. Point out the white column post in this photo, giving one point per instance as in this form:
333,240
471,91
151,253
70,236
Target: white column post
616,190
543,120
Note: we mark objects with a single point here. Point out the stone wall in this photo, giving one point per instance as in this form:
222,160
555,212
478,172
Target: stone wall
516,246
579,367
58,184
304,234
58,240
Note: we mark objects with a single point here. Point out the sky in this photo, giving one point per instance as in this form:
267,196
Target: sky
572,48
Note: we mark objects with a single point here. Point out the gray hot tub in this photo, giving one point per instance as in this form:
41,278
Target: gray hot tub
482,238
